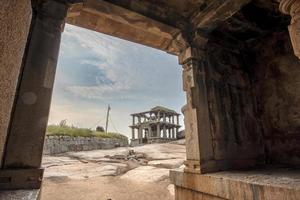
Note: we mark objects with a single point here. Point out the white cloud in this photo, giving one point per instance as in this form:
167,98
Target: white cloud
135,78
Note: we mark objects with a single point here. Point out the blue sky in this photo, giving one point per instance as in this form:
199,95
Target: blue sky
95,70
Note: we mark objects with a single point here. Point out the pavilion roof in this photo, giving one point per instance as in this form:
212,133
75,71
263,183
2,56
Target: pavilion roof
163,109
158,109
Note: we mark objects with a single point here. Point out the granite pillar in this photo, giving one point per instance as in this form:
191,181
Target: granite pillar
25,141
197,125
15,19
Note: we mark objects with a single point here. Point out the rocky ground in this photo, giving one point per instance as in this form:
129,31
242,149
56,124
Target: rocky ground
133,173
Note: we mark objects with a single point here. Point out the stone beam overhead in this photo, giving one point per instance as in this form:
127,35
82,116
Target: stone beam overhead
148,23
216,11
129,18
114,20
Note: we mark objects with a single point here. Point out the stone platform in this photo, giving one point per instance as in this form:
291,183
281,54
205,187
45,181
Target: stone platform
135,142
262,184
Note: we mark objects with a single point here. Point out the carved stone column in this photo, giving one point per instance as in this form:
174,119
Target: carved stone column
24,146
196,114
292,7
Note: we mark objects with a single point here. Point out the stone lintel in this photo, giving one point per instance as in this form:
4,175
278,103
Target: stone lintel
111,19
129,18
263,184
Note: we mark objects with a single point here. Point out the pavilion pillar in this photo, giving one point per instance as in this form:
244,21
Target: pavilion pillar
292,7
133,133
140,135
24,145
164,131
158,125
149,132
174,133
133,129
158,130
196,114
164,126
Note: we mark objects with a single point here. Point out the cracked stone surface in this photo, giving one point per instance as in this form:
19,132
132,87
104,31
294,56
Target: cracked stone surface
133,173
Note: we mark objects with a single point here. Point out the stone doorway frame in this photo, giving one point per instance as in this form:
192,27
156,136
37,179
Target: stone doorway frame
21,163
24,145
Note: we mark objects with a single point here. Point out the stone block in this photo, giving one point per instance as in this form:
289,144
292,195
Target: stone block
262,184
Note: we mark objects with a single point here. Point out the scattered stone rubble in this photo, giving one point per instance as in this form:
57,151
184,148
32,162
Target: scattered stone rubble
130,155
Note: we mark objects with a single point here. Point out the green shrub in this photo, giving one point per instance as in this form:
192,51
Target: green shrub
81,132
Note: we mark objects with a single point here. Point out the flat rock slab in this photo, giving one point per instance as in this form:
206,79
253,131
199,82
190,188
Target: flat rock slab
49,161
169,164
104,188
162,151
146,174
104,174
85,170
97,155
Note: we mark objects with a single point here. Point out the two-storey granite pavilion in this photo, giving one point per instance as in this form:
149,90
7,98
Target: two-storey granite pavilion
160,124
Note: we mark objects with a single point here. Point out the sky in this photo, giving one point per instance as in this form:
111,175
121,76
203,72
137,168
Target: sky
95,70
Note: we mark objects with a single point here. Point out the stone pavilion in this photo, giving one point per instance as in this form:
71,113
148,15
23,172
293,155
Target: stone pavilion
159,124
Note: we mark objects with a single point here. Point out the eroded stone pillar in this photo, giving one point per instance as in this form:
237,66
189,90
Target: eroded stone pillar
292,7
25,141
15,18
196,115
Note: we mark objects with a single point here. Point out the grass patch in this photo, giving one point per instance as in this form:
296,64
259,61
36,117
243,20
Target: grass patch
80,132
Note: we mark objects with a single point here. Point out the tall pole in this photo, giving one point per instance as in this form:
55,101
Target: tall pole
107,115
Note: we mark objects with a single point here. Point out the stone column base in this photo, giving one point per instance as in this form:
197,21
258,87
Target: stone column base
21,194
263,184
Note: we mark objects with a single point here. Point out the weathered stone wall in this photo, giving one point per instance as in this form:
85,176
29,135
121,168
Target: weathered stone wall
277,80
61,144
15,18
236,132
